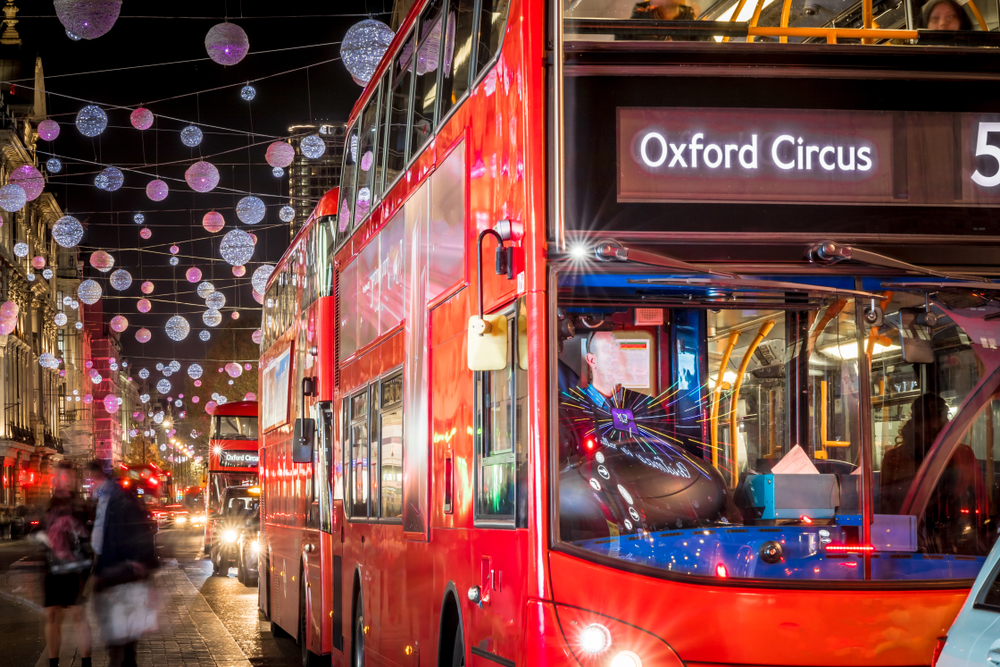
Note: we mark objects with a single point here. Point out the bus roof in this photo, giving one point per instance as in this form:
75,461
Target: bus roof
327,206
238,408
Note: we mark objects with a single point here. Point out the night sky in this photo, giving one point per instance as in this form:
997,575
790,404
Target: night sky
148,33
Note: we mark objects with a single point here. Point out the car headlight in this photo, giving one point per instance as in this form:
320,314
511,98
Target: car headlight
181,519
255,546
198,518
229,536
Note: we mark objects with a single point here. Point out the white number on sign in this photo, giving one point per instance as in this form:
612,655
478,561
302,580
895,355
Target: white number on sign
984,148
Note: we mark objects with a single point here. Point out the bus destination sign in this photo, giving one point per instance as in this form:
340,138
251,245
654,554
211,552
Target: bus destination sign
819,156
238,459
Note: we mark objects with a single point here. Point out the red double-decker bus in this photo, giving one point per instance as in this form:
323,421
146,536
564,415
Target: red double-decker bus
233,455
625,345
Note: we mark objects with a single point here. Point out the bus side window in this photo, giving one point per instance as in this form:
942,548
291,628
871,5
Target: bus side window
458,53
398,110
359,455
492,22
425,87
374,434
391,441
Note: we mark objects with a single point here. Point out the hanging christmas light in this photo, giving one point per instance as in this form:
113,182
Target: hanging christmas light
248,92
111,403
91,121
256,337
144,373
211,318
163,386
67,231
144,306
12,197
48,129
87,19
102,261
121,280
286,214
174,366
47,360
110,179
260,276
191,136
227,43
204,335
174,261
178,328
30,277
143,335
239,271
363,47
258,297
160,366
235,314
277,172
60,319
119,323
213,222
30,179
145,233
89,292
75,38
157,190
234,370
237,247
78,325
147,287
250,210
47,274
144,398
53,165
204,289
193,274
279,154
216,300
312,146
139,218
8,317
141,119
202,176
37,262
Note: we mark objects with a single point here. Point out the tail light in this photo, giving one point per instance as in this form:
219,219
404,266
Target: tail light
938,647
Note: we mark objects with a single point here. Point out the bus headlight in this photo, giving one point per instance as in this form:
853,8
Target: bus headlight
255,546
626,659
229,536
180,519
595,639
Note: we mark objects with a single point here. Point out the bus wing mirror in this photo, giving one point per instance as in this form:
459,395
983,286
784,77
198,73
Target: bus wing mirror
488,342
303,440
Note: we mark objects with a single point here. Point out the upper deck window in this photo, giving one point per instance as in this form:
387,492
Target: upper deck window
425,85
234,427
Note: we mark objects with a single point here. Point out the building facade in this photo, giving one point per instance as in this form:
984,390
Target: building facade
311,179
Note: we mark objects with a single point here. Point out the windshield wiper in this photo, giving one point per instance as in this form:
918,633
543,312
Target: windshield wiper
828,252
609,250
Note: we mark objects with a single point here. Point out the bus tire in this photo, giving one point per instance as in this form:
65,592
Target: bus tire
309,659
458,651
358,636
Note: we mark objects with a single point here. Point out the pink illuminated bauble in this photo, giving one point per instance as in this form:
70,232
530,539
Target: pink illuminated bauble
111,403
88,399
258,297
248,366
102,261
234,370
145,232
88,364
174,250
202,176
62,373
235,315
48,130
157,190
227,43
28,178
239,271
195,399
142,119
197,383
193,274
147,287
143,335
119,323
279,154
180,396
250,396
144,305
253,237
213,222
256,336
210,407
38,262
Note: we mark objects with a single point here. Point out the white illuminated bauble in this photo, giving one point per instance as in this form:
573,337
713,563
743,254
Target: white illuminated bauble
87,19
30,277
216,300
110,179
204,335
163,386
191,136
78,325
158,417
363,47
277,172
144,398
89,292
202,176
144,373
139,218
160,366
119,323
286,214
47,360
250,210
60,319
121,280
178,328
143,335
237,247
248,92
178,403
174,366
30,179
141,119
157,190
12,197
21,249
211,318
167,372
204,289
312,146
68,231
48,129
53,165
227,43
102,261
174,261
260,276
47,274
91,121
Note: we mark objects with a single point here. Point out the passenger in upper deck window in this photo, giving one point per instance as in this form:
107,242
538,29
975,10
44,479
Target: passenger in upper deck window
945,15
663,10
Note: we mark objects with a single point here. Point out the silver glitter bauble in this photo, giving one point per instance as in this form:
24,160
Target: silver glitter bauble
211,318
121,279
216,300
194,371
248,92
61,319
286,214
237,247
53,165
163,386
79,325
47,360
226,43
178,328
110,179
277,172
139,218
204,335
174,261
12,197
174,366
312,146
47,274
67,231
91,121
363,47
204,289
21,249
250,210
89,292
144,373
260,276
191,136
87,19
30,277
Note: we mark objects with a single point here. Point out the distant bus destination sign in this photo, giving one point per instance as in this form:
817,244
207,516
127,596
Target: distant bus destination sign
239,459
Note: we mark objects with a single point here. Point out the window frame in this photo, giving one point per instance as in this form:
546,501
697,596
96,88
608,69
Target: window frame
409,111
353,421
374,99
392,374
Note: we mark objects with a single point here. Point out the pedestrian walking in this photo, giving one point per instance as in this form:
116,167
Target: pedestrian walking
68,564
5,520
124,599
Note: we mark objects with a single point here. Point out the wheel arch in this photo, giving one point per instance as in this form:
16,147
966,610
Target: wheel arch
451,622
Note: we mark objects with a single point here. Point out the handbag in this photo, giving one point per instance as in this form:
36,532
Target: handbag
126,612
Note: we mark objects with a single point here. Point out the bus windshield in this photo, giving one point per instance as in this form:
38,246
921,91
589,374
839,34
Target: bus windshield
720,431
234,427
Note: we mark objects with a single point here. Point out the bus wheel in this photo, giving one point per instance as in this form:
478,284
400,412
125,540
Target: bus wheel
309,659
458,651
358,640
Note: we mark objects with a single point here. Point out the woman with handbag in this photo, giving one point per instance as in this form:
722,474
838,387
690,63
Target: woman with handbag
69,562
